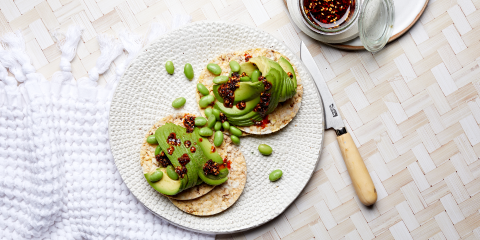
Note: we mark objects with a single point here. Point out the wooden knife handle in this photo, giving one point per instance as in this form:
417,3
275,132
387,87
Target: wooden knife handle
361,180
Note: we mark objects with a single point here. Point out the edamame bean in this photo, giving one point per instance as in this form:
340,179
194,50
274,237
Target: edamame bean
255,75
234,66
151,139
235,139
208,112
156,176
171,173
226,125
218,126
200,121
169,67
218,138
202,89
220,79
211,121
245,79
275,175
188,70
264,149
205,132
179,102
206,100
235,131
158,149
214,68
216,113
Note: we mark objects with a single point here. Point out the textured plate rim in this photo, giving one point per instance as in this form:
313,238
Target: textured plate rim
319,151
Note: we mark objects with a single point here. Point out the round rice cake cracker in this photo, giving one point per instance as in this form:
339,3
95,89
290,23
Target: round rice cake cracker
149,163
224,195
283,113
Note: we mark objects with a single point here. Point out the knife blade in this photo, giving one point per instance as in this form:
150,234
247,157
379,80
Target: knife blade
332,115
361,180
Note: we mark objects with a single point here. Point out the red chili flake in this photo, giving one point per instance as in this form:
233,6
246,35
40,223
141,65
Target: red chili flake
187,143
227,90
213,149
170,150
267,85
189,123
184,159
211,167
193,149
227,163
172,139
181,171
263,123
262,106
241,105
163,159
223,118
328,13
290,74
200,139
247,57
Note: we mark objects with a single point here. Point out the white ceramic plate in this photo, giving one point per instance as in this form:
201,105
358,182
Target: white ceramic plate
145,93
407,12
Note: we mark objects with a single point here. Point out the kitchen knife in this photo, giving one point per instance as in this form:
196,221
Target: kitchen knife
361,180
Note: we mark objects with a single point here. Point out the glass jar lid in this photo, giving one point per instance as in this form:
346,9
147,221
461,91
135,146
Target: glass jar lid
375,23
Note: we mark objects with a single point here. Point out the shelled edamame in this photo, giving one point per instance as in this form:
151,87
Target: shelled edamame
151,139
169,67
171,173
234,66
179,102
214,68
275,175
156,176
202,89
206,100
218,138
188,71
264,149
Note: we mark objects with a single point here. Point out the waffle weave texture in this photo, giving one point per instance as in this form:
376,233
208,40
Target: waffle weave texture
58,179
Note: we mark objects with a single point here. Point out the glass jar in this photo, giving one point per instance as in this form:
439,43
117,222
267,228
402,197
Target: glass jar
329,17
375,19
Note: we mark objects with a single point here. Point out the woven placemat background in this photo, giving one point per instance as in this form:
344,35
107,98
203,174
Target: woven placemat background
413,109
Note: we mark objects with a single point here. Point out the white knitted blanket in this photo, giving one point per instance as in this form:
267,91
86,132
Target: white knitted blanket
58,179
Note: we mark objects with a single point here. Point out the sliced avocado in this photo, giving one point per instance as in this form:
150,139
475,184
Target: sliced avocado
245,120
162,133
217,95
210,181
221,174
290,84
234,111
274,76
206,147
247,68
248,91
288,68
166,185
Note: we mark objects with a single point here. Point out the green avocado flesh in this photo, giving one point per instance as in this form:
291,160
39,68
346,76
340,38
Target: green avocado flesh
166,185
283,88
194,167
248,91
210,181
247,68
